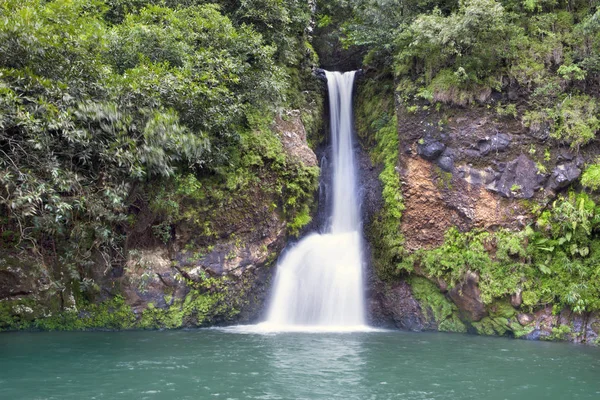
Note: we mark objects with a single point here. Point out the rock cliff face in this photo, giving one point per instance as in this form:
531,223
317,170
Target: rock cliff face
474,171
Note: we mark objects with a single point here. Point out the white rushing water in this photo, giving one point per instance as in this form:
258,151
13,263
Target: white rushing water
319,283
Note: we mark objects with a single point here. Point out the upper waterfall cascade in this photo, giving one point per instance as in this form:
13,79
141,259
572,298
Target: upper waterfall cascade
319,281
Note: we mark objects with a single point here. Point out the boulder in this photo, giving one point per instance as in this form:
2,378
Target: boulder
446,163
519,179
565,155
525,319
496,143
517,298
563,175
446,160
430,149
468,297
293,137
399,306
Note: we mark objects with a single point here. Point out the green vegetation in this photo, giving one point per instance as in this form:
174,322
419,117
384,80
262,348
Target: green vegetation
559,333
210,300
500,321
555,261
458,52
110,109
436,306
377,123
108,106
591,177
26,314
206,300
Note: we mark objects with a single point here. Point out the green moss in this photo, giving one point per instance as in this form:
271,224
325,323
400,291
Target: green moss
376,122
302,219
591,177
492,326
576,120
559,333
530,298
522,331
500,321
436,306
443,179
28,314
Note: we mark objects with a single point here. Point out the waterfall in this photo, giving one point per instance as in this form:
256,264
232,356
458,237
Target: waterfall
319,281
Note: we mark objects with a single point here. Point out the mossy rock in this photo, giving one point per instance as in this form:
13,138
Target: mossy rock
436,306
501,321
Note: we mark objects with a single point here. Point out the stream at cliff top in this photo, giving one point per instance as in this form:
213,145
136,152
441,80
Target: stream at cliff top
216,364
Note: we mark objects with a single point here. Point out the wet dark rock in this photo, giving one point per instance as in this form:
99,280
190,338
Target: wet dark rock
490,175
536,334
446,163
468,298
446,160
431,149
520,179
9,283
320,74
592,329
540,131
577,322
513,92
565,155
500,166
496,143
396,306
470,153
563,175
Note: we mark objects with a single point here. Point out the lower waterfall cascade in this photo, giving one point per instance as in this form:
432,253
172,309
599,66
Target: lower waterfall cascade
319,281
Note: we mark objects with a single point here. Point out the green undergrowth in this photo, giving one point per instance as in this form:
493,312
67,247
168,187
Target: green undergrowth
28,314
559,333
264,176
554,261
196,309
210,300
476,53
501,321
377,126
108,105
591,176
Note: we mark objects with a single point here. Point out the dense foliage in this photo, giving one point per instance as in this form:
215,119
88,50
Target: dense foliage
101,97
459,52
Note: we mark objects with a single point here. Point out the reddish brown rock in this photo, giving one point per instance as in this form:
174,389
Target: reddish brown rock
525,319
517,298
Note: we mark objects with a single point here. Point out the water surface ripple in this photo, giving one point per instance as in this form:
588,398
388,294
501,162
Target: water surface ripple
217,364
